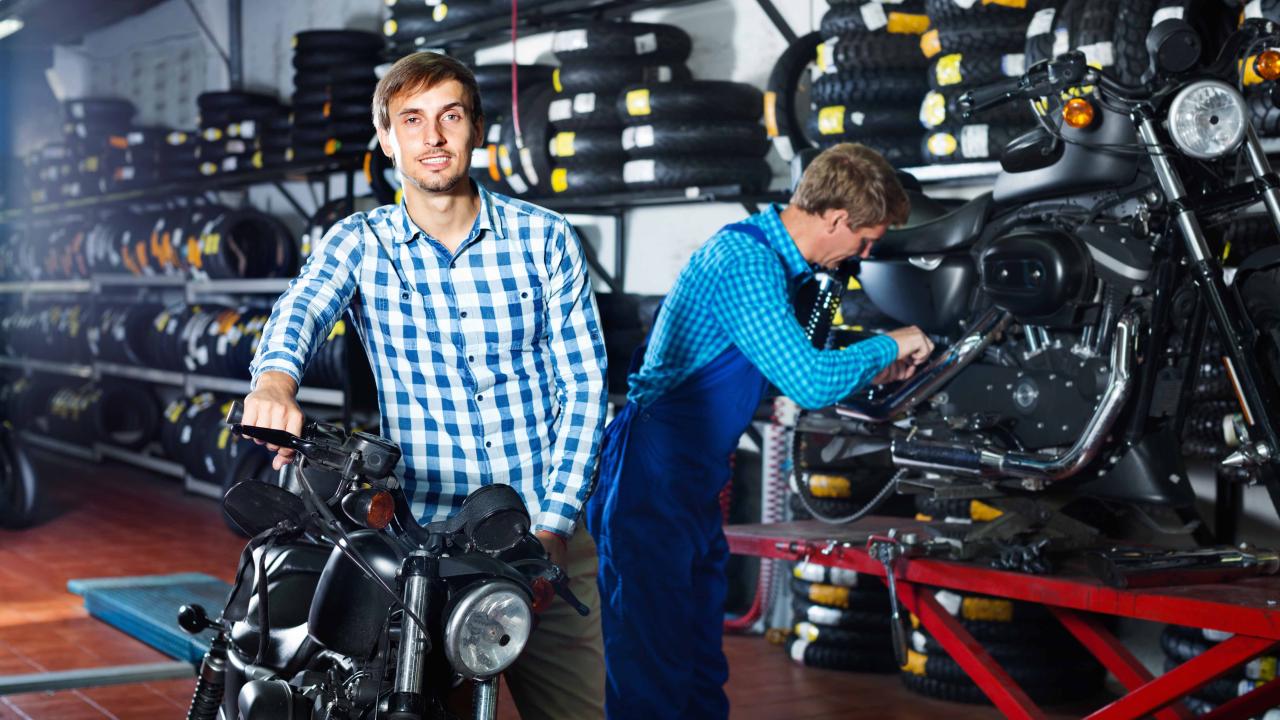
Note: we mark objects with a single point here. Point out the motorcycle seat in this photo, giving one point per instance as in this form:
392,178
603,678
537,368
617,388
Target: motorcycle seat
289,649
954,230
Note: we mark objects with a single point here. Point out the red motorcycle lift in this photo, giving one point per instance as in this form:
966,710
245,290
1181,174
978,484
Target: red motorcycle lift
1249,608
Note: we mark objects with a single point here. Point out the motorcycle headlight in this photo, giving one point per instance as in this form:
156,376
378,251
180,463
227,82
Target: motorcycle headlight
1207,119
487,629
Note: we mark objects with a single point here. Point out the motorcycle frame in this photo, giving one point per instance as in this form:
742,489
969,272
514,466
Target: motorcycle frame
1222,302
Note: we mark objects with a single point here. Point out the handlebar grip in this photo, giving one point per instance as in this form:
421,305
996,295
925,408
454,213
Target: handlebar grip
235,415
987,96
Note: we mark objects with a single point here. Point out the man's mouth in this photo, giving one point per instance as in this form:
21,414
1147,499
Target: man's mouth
434,160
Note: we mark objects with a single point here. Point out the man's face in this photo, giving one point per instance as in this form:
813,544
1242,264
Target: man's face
841,242
432,135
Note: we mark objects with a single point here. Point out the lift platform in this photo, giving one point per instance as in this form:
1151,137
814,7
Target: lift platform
1249,608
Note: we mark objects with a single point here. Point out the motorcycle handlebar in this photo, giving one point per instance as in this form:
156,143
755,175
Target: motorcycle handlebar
989,96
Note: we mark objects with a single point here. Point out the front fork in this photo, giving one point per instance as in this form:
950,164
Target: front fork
1238,334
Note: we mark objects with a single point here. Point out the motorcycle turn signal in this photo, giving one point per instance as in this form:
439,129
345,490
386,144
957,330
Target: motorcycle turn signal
1078,113
371,508
1267,64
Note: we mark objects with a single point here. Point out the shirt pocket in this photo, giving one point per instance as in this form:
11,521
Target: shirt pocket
519,321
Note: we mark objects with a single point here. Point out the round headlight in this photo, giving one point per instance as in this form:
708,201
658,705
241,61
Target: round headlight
1207,119
487,629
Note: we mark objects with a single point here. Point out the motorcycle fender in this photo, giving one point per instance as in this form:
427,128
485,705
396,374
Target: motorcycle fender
1147,474
1264,259
349,609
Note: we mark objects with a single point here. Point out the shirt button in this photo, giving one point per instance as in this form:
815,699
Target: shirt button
488,443
453,266
524,294
464,313
479,398
404,296
471,358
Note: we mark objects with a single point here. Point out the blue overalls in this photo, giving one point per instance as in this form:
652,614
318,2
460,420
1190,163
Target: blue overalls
656,517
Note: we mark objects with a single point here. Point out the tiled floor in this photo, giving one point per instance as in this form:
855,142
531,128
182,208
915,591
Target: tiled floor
112,520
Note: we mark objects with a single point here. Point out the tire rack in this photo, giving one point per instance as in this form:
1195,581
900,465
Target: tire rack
193,290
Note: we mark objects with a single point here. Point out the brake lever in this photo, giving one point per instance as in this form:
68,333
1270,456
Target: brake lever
281,438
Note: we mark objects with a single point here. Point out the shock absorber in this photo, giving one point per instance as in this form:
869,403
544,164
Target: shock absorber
210,682
831,286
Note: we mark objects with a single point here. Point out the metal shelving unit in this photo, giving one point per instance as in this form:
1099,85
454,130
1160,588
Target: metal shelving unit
76,451
306,395
56,368
46,286
150,462
260,286
159,377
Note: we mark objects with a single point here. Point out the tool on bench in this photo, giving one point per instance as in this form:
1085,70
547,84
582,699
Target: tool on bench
1137,567
887,550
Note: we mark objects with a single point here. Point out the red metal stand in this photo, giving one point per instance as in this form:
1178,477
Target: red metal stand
1248,608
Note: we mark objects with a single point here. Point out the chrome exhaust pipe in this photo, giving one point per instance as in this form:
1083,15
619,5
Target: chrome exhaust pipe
933,378
956,459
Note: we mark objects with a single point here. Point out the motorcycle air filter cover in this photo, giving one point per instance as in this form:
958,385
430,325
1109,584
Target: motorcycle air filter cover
1035,272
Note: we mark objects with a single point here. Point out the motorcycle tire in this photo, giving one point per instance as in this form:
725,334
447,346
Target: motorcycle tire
587,176
19,486
937,509
610,41
970,607
786,96
827,507
529,171
862,620
585,75
704,101
974,40
844,598
851,123
1218,690
1124,27
339,40
976,142
827,575
950,12
738,138
940,109
753,174
602,145
1261,294
906,18
851,87
831,656
584,110
870,639
1035,654
957,72
865,52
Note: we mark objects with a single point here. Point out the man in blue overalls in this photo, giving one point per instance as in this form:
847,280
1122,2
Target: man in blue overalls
724,332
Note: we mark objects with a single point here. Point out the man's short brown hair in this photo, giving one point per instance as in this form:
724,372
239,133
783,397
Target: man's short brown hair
856,179
419,71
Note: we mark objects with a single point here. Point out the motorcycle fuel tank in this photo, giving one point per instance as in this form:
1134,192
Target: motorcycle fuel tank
349,609
931,291
1036,273
1088,161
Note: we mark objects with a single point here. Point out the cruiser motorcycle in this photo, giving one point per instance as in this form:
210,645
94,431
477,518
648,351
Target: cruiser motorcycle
345,607
1073,302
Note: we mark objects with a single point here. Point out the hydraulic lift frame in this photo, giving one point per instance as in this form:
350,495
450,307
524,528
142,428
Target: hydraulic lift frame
1249,608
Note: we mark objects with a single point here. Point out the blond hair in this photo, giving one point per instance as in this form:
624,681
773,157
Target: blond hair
856,179
420,71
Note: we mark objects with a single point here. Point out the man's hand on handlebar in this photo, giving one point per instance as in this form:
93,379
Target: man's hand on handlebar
556,546
273,404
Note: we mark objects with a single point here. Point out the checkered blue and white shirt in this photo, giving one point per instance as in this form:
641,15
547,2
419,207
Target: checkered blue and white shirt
734,292
489,361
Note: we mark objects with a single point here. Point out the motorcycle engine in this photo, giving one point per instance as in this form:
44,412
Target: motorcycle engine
1040,274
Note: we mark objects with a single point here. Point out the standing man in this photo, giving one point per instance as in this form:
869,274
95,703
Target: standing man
477,315
724,329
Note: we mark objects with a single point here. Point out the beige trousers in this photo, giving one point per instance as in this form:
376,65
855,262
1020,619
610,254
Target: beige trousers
560,674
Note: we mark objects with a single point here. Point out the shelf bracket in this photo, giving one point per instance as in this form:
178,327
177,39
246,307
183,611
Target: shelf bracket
293,201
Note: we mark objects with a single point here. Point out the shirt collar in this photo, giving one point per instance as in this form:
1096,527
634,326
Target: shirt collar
487,220
782,242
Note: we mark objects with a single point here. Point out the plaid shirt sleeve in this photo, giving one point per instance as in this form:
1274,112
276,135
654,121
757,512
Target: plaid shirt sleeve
750,302
311,305
578,361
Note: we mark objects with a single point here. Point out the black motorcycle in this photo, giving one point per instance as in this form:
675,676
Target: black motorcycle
344,606
1073,303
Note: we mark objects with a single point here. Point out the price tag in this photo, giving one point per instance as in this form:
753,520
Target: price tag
639,171
973,141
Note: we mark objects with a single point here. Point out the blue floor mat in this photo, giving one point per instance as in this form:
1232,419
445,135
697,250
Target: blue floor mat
146,608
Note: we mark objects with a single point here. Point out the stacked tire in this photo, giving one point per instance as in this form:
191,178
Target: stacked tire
841,620
263,119
193,433
872,78
334,80
118,413
179,159
971,45
90,125
1042,657
1180,644
58,333
787,98
494,82
140,161
599,64
827,486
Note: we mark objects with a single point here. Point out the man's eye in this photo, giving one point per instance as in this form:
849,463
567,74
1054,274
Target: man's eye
453,116
410,120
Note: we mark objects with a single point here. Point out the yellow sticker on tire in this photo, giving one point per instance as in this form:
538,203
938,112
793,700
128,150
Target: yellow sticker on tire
930,44
555,80
829,595
947,70
440,13
830,486
831,120
986,609
933,111
942,144
771,114
564,144
638,102
907,23
560,179
389,28
1015,4
915,662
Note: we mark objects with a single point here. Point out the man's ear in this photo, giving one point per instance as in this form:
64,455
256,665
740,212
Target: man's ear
832,219
384,141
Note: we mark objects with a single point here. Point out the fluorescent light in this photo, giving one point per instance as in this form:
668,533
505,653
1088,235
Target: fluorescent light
9,26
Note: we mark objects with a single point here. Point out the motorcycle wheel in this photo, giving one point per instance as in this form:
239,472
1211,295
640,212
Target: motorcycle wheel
1262,300
18,488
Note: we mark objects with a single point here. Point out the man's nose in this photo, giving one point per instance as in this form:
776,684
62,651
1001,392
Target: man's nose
866,250
433,135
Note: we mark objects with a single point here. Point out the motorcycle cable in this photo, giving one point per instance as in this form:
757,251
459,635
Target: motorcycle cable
349,550
802,487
